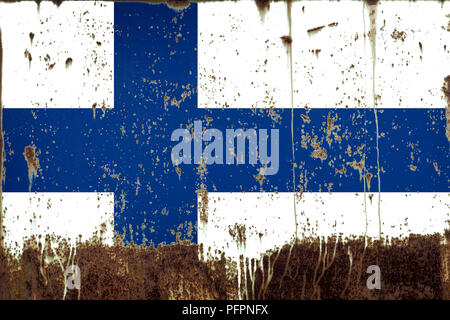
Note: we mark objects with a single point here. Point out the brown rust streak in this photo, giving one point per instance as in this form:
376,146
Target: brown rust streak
316,29
262,5
203,204
446,90
32,162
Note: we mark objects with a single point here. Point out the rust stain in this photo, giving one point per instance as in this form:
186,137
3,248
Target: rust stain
93,109
287,40
306,138
435,165
446,90
178,171
57,2
38,3
319,152
273,114
358,166
31,37
104,107
315,30
32,162
369,177
178,4
166,101
398,35
176,271
203,204
263,6
1,144
260,177
238,232
28,56
332,129
316,52
208,120
69,62
373,8
305,118
371,2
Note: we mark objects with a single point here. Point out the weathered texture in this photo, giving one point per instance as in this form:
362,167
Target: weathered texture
445,262
32,163
412,268
446,90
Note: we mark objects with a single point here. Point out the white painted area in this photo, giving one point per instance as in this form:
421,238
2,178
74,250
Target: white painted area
60,32
66,215
272,215
340,73
233,45
238,27
413,82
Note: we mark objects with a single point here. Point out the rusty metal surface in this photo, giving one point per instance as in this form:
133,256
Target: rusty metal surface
336,151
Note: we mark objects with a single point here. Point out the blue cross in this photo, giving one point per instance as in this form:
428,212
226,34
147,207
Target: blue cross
127,149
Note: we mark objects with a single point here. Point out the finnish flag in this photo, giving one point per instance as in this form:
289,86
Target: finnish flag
349,97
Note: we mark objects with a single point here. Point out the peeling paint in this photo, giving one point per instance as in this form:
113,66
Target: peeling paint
398,35
28,56
68,62
31,37
30,156
315,30
372,6
263,6
446,90
203,205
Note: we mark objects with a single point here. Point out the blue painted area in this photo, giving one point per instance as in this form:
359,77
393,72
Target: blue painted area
127,150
